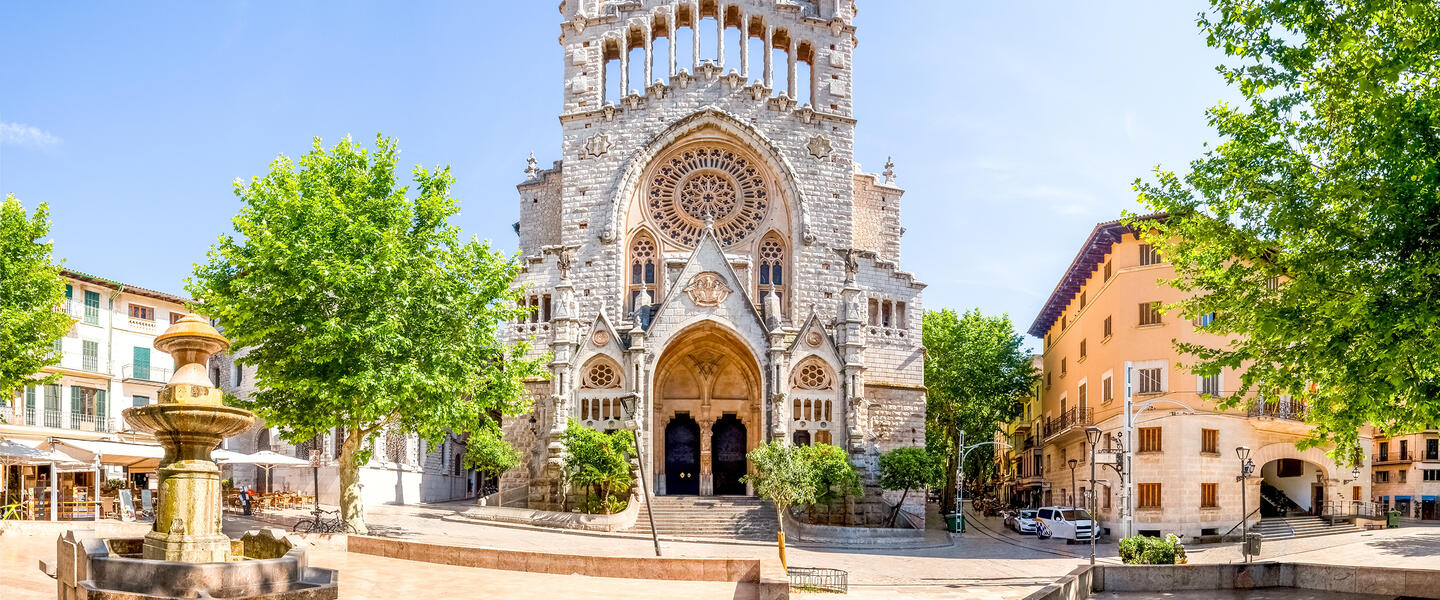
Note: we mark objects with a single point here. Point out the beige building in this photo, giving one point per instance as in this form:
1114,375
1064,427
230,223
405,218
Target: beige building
1018,455
1102,316
708,243
1406,474
108,363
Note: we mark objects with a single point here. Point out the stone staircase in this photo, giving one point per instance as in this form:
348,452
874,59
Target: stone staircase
734,517
1279,528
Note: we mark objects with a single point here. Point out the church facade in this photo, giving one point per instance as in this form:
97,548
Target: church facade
708,249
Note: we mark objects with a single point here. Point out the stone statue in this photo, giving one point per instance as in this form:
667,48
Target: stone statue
564,258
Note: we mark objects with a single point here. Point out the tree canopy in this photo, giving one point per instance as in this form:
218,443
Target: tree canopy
360,306
976,370
487,451
906,469
32,298
1311,232
598,463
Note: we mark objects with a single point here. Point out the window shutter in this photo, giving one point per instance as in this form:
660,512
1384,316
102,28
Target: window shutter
102,415
69,292
90,355
141,368
77,405
92,307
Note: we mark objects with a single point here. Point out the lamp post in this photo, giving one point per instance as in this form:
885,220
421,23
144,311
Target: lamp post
629,403
960,479
1073,497
1092,435
1247,467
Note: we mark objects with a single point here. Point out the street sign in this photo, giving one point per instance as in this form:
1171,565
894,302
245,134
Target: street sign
1107,458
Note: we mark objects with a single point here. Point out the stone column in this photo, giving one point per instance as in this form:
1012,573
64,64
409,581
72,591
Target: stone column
624,65
791,86
695,36
707,474
649,54
745,49
852,347
769,57
720,36
670,29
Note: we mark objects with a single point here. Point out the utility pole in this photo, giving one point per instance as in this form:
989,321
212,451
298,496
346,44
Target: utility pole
1127,476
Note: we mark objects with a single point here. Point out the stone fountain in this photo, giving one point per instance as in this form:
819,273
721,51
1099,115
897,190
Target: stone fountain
186,555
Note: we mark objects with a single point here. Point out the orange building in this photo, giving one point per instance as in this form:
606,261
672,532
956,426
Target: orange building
1104,315
1406,474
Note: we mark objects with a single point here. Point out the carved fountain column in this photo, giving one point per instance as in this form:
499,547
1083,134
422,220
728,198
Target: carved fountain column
189,421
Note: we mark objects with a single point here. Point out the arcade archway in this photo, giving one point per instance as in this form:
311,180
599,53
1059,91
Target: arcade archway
707,381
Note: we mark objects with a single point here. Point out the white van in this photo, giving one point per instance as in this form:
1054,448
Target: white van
1064,522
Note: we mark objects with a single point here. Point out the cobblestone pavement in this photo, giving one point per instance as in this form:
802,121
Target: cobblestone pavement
987,562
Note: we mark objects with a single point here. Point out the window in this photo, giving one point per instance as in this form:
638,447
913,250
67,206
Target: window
1355,493
1402,473
1106,506
1081,396
175,317
90,355
1149,439
1204,320
1063,368
1384,451
92,307
1107,389
1064,322
1150,381
644,261
1432,449
1149,255
1208,495
142,312
1108,270
1272,284
1047,380
1404,449
1382,477
1082,300
1210,441
771,261
140,363
1149,313
1083,354
1290,467
1109,327
1432,475
139,400
236,375
1210,385
1148,495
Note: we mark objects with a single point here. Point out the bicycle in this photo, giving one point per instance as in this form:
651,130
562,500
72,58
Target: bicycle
320,524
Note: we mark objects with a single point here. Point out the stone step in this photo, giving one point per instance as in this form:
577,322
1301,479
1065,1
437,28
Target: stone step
710,516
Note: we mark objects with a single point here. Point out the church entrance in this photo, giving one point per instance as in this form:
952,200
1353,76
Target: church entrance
727,453
707,411
682,456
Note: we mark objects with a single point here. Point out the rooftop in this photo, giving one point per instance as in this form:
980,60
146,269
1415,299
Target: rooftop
124,287
1102,238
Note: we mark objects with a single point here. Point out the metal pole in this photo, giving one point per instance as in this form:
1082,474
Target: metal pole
1094,508
1244,516
1128,478
960,483
1074,498
645,491
316,471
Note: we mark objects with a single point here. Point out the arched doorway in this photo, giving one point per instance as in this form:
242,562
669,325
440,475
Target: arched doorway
710,376
727,455
682,455
1291,486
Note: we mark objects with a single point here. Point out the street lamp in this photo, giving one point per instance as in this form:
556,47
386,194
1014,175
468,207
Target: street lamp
1247,467
1092,435
1072,462
629,403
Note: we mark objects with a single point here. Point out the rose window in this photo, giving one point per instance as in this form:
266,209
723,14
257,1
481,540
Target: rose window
707,183
813,377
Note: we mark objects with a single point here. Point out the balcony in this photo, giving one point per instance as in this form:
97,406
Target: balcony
56,419
141,325
1070,420
1287,409
145,373
1394,459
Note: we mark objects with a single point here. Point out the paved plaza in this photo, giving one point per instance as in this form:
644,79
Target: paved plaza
987,562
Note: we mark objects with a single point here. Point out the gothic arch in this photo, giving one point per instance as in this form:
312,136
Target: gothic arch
643,267
738,133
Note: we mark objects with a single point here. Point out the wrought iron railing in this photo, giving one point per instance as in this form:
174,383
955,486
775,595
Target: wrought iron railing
1352,508
812,579
58,419
1075,417
1285,408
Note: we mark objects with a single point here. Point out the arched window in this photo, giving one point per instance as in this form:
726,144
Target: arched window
771,265
601,374
644,262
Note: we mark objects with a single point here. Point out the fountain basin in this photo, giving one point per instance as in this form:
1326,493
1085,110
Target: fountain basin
268,564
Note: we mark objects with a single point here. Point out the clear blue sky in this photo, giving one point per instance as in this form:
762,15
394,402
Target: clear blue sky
1015,126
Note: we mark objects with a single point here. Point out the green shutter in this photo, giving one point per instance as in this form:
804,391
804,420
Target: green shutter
69,292
90,356
52,405
102,414
92,307
140,401
141,369
30,405
77,405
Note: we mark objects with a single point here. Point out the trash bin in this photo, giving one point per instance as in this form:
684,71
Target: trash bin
1252,543
1392,519
952,522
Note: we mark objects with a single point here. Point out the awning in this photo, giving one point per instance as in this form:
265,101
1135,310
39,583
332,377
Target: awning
133,456
1427,498
1402,497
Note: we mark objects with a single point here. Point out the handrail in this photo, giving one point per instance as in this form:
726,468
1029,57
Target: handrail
1243,520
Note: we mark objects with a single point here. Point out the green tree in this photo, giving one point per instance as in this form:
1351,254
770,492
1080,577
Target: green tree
32,298
906,469
598,463
976,370
1312,231
487,451
834,477
783,476
360,306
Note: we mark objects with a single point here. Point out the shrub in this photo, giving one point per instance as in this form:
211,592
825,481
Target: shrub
596,462
829,466
1145,550
487,451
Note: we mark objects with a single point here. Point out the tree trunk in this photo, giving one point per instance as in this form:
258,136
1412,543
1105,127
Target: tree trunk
895,515
780,534
352,508
947,500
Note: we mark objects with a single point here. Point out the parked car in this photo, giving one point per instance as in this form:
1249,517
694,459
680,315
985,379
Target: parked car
1022,521
1064,522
